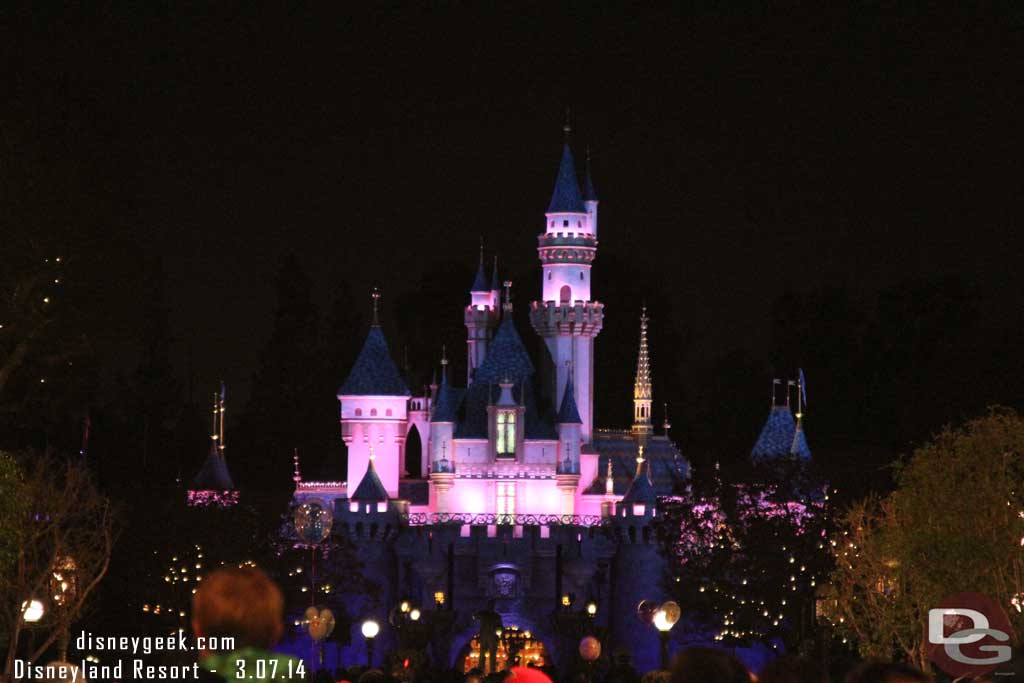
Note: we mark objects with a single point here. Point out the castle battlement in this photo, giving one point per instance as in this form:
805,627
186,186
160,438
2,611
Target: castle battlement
582,318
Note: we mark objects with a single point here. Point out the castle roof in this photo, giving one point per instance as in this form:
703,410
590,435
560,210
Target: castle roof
370,488
448,399
506,360
566,196
641,489
589,192
506,357
213,475
779,438
374,373
667,468
480,281
568,413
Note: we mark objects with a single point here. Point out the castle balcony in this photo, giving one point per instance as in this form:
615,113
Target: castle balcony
583,318
566,239
490,519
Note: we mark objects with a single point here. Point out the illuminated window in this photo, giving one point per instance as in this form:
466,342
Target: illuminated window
638,510
506,499
506,446
353,507
382,506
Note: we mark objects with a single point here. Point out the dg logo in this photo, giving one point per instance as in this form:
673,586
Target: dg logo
968,634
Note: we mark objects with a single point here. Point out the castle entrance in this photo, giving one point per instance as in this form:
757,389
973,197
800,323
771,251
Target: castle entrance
515,648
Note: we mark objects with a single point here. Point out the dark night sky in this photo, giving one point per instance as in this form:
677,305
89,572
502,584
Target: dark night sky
739,152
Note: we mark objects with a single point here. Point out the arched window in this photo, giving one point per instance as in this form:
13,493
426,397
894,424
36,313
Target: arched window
373,412
565,224
359,412
387,413
549,275
565,294
581,276
506,442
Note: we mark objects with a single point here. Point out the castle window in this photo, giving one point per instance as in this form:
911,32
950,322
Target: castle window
506,446
638,510
359,412
565,294
565,224
581,275
387,413
353,507
373,412
579,224
549,275
552,224
382,506
506,503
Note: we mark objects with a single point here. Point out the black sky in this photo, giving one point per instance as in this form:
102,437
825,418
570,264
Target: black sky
739,152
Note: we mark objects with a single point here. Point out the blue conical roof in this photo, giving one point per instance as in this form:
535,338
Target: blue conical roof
641,490
589,193
480,281
568,413
448,400
213,475
506,357
800,449
374,373
776,438
370,489
566,197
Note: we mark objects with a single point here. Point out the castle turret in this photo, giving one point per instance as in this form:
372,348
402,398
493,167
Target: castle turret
642,389
590,197
442,449
567,470
481,317
566,317
374,405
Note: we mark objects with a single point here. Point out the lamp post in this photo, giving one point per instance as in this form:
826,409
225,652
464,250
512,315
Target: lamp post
665,617
370,629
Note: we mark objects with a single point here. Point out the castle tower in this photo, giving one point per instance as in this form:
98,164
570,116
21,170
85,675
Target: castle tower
481,317
638,567
374,410
213,484
642,388
566,317
567,468
442,448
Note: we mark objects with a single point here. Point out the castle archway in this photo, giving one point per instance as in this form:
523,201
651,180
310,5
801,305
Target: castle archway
413,453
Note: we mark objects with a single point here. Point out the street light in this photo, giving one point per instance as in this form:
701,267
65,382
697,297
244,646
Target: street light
370,629
591,608
664,619
414,614
32,611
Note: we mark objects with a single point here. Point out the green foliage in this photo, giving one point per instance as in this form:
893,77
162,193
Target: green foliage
953,524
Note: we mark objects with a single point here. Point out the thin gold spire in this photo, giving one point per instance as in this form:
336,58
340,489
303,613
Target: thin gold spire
375,296
642,389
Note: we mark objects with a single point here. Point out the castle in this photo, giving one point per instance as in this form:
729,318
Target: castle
524,507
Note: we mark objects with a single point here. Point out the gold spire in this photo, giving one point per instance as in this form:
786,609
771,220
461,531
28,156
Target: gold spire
609,482
642,389
639,457
376,307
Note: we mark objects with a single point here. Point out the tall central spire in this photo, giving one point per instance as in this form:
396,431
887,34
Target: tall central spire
642,389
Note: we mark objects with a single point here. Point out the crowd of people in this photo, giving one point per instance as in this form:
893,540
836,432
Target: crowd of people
246,605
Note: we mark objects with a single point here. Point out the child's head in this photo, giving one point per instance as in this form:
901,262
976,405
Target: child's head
241,603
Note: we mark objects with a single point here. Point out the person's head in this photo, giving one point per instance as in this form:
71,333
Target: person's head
878,671
703,664
792,670
373,676
241,603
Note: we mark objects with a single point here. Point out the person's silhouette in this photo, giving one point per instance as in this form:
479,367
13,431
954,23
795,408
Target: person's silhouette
490,626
